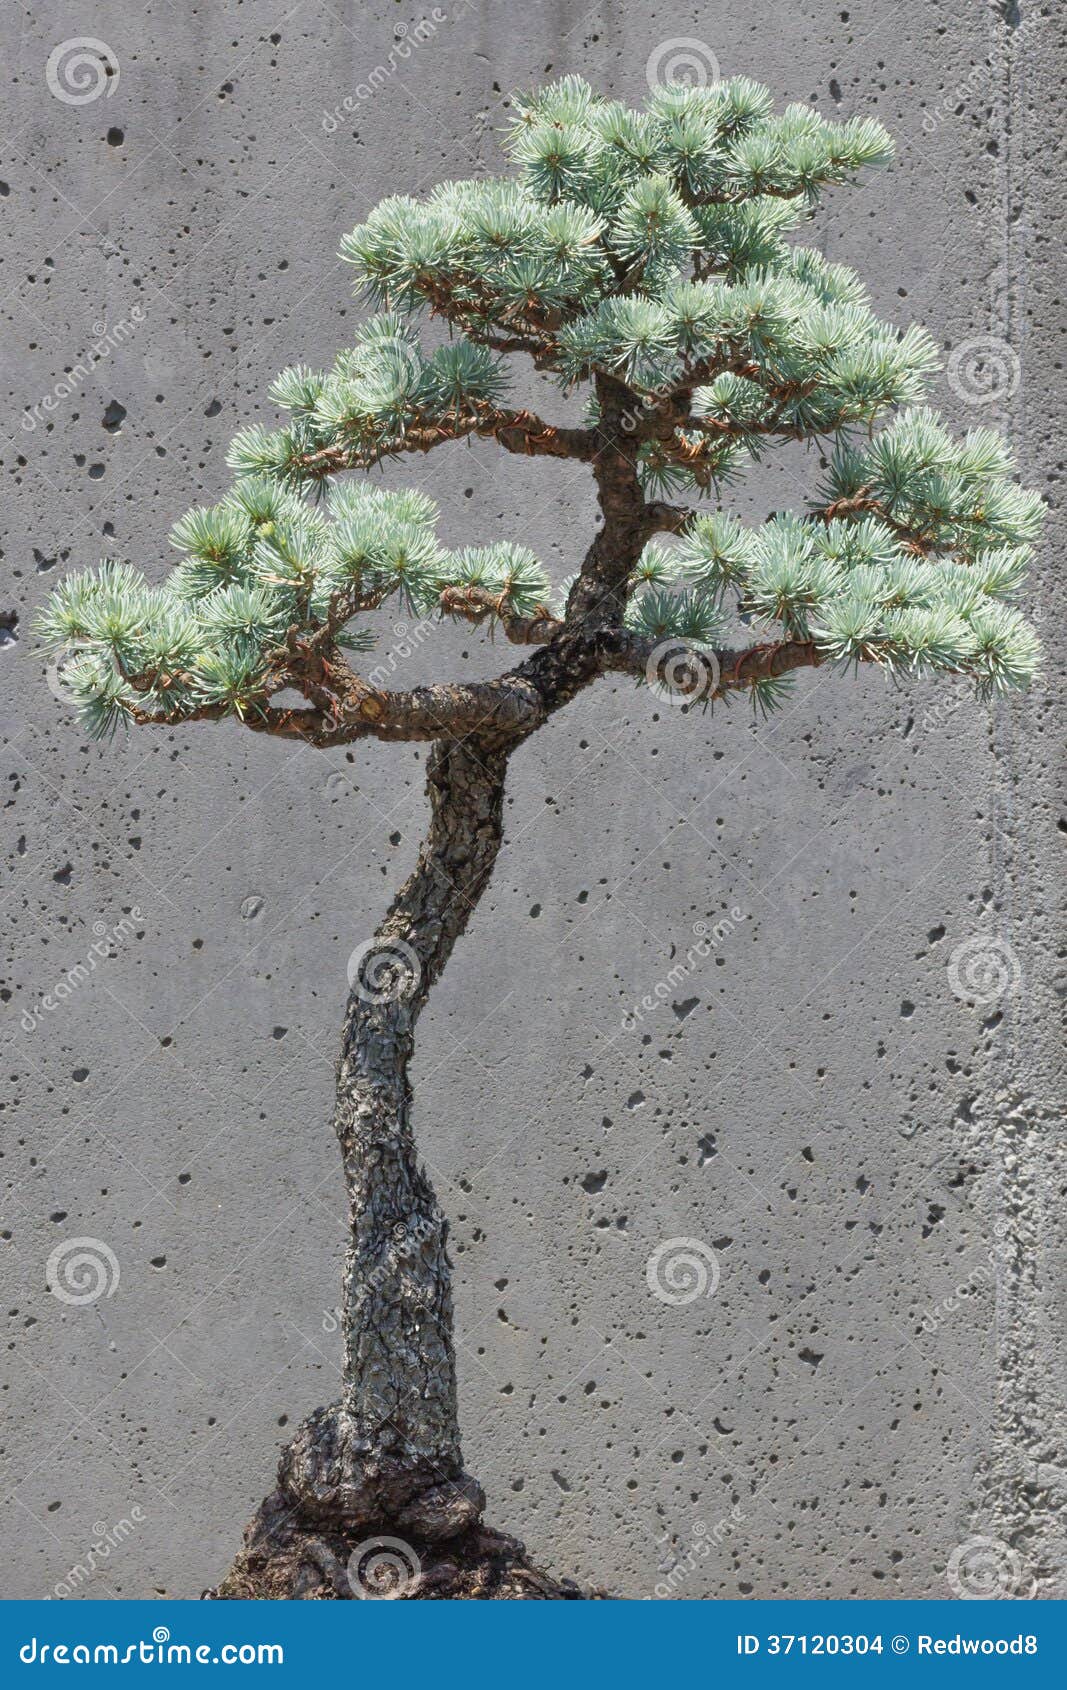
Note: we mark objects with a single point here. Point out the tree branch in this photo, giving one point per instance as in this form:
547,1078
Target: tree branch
475,605
668,519
509,708
861,503
707,674
516,431
504,708
598,597
261,718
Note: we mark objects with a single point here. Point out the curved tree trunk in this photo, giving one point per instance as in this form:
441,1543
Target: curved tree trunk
384,1462
386,1459
395,1433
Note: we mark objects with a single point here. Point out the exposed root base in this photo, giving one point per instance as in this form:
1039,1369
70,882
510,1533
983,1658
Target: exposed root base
284,1559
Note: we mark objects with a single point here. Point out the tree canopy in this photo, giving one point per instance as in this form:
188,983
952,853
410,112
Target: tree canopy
642,255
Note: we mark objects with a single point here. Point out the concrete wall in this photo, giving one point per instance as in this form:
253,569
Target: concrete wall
866,1156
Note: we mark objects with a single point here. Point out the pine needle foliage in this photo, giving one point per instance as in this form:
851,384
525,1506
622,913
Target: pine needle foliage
650,248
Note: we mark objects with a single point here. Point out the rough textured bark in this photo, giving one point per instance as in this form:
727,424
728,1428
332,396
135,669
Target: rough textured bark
598,597
396,1431
284,1559
387,1456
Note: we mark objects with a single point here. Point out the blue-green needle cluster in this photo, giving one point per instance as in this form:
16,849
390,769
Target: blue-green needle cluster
647,249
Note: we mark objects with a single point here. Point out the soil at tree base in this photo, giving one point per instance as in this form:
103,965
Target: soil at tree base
283,1559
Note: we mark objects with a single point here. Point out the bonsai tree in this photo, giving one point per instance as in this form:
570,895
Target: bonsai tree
641,255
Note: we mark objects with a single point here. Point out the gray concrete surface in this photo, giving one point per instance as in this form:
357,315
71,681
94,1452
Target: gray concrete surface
871,1161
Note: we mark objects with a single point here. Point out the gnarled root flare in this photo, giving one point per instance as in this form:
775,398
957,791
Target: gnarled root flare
347,1522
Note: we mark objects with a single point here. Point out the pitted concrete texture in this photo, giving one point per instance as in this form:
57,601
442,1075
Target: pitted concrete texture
836,1115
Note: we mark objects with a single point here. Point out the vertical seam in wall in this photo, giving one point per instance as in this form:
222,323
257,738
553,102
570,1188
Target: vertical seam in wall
1020,1488
1003,1064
